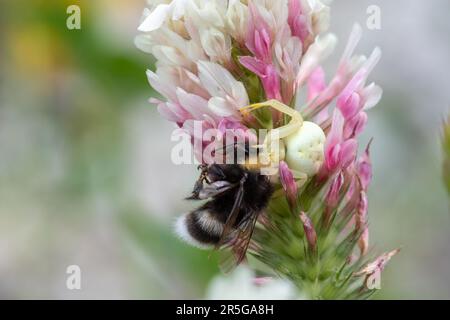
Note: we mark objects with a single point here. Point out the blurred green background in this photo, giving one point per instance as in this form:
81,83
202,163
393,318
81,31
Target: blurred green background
85,170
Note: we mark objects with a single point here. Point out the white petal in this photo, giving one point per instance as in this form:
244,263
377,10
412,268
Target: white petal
353,40
216,44
374,58
322,47
240,285
355,63
156,18
372,95
167,113
220,83
237,19
204,14
194,104
221,107
170,56
144,42
179,8
321,20
160,85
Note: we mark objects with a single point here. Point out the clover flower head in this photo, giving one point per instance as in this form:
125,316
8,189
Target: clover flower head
215,58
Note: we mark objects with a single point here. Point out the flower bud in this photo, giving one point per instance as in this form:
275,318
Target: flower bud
310,232
361,223
289,185
375,268
364,167
332,197
363,242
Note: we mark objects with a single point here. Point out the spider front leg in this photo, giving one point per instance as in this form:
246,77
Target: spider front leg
300,143
273,140
294,124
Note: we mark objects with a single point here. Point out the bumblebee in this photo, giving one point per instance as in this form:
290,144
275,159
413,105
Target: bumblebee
236,197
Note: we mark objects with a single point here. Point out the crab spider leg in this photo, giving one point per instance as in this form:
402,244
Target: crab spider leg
286,130
277,105
271,145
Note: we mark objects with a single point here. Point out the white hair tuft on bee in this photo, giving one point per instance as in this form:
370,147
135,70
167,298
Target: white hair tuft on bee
181,229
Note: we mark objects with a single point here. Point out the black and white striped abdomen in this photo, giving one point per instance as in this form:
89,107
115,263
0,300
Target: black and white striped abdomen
199,228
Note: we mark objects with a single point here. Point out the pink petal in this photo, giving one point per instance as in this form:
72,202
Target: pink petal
355,125
350,105
258,39
263,45
316,83
267,73
332,197
241,132
271,83
361,124
348,152
254,65
364,167
297,20
260,281
332,157
334,137
354,84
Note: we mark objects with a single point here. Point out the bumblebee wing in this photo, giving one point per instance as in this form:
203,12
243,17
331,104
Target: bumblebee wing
215,188
244,236
239,244
232,147
229,226
238,151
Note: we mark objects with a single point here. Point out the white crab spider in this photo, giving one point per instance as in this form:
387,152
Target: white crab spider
299,143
